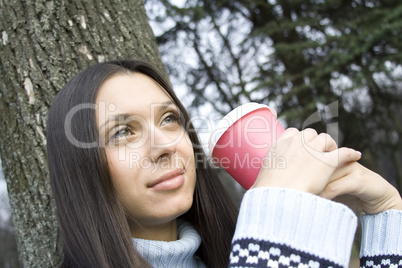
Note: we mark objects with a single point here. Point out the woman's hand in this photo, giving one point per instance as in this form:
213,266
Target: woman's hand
310,161
362,190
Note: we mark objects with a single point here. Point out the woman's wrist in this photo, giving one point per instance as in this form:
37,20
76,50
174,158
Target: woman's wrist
398,205
393,201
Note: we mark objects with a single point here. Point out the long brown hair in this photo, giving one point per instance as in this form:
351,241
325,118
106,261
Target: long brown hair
93,224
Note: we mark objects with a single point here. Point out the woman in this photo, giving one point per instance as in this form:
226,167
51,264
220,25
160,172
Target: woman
93,219
130,178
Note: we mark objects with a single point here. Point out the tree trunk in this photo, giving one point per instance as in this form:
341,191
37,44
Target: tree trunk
43,44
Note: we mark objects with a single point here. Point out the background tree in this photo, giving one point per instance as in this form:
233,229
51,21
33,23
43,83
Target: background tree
298,56
43,44
334,65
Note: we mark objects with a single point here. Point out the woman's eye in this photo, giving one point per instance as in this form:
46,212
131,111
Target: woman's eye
122,133
171,118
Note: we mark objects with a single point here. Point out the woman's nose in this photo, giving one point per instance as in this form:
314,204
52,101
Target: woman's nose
162,144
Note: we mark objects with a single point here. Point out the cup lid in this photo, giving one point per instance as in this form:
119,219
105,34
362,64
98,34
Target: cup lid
231,118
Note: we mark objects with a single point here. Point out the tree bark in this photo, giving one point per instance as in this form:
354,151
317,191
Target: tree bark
43,44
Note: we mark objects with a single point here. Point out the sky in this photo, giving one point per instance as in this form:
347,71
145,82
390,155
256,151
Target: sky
4,207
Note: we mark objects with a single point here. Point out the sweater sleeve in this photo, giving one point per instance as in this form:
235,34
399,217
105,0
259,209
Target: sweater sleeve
382,240
280,227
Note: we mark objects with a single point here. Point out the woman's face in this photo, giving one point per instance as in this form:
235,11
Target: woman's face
150,156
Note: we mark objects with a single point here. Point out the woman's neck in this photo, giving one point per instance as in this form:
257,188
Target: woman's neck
161,232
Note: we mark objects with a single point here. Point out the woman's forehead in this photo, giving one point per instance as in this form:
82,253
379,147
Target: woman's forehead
136,88
131,94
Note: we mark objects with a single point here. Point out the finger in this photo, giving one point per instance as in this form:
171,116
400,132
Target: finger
348,155
290,132
308,134
335,158
341,157
342,186
343,171
323,143
330,143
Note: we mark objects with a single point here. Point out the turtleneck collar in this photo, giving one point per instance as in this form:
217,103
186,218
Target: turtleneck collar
179,253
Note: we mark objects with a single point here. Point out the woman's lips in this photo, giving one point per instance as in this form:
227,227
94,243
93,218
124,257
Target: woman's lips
168,181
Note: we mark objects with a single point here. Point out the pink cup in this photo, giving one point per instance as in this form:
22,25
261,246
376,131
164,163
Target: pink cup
242,139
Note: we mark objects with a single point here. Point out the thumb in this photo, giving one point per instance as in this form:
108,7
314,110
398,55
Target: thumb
341,157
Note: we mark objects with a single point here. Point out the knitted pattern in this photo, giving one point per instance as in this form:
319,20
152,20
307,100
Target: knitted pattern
391,261
280,227
253,253
382,240
299,221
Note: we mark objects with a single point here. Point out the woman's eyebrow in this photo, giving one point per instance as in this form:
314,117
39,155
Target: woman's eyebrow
161,107
124,116
116,117
166,105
